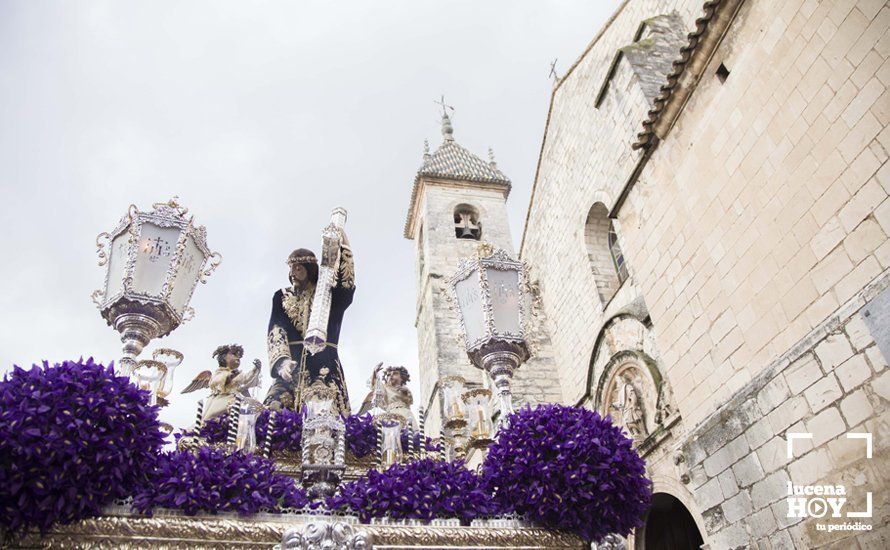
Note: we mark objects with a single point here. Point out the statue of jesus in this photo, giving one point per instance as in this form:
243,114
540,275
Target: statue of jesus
296,373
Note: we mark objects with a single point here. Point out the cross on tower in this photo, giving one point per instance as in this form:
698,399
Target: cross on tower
444,106
553,71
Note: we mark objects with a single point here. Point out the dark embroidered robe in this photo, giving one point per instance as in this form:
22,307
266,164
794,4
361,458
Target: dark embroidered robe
287,326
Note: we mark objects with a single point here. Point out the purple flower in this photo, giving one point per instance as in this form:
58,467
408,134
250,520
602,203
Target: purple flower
213,481
73,437
569,469
361,436
286,434
424,490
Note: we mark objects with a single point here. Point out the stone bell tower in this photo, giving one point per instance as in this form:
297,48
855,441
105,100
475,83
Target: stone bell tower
458,201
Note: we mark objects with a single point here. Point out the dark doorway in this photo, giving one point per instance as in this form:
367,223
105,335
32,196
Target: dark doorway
669,526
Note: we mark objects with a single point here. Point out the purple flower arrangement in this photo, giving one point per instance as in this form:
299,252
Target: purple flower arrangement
286,434
73,437
424,489
567,468
361,437
213,481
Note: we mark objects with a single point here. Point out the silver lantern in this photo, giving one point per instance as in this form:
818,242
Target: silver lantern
490,291
154,262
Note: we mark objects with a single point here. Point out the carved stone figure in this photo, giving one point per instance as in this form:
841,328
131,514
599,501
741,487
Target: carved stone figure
391,395
630,406
665,407
227,381
295,371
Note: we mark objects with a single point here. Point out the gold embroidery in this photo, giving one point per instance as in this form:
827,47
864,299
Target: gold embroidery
297,305
347,268
278,347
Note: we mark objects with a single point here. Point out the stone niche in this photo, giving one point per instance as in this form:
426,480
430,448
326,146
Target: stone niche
629,384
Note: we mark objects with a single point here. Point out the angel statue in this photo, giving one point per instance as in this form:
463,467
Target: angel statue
226,381
391,394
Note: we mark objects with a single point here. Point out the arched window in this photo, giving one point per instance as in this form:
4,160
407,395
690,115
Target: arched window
466,222
617,256
598,232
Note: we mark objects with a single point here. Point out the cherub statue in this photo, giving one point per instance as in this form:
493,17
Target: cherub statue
226,381
391,395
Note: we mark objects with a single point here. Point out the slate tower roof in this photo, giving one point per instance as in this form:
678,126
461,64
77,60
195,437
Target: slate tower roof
452,161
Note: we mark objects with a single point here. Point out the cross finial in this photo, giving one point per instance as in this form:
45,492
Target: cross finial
447,129
444,106
553,71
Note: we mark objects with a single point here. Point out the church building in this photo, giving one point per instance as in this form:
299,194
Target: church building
707,241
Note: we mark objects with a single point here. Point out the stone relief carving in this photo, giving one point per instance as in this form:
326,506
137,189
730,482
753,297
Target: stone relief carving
630,397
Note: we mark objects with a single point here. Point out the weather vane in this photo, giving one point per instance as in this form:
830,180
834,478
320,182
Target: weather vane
444,106
553,71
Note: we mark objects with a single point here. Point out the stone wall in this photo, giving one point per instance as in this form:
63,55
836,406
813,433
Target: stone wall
834,382
760,219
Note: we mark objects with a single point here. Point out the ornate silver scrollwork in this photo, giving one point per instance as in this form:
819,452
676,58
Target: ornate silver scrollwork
325,535
214,263
100,247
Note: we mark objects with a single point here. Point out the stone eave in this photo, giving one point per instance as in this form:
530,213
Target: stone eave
687,70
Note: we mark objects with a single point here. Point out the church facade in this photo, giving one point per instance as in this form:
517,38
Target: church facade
707,237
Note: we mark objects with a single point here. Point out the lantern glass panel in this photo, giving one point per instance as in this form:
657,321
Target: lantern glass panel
245,437
392,443
480,416
117,262
187,272
455,408
469,300
153,257
505,296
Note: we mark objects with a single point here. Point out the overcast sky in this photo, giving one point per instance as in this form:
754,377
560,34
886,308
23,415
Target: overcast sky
262,117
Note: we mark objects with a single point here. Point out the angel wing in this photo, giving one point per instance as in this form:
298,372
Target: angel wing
200,382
